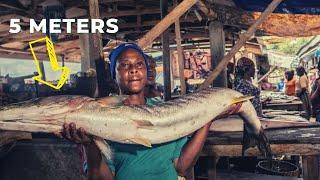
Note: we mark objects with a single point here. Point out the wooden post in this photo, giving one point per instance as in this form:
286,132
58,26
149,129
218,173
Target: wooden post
166,54
62,60
165,22
180,57
310,167
87,61
217,45
243,38
212,167
91,47
42,70
207,11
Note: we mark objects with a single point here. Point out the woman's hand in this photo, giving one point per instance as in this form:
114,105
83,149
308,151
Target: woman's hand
234,109
75,135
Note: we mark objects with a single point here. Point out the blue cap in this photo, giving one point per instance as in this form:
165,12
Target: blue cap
118,50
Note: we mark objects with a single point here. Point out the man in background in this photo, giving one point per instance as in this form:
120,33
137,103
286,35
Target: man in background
152,88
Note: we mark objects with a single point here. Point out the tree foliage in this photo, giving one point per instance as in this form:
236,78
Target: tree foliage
289,46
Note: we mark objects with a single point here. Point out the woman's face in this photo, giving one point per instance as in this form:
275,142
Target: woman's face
251,71
187,55
131,72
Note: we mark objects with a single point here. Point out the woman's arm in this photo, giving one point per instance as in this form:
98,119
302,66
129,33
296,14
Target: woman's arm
191,150
97,168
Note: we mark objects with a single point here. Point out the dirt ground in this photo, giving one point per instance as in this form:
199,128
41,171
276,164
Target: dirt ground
43,162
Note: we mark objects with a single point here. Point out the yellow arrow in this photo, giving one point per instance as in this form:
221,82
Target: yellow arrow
53,62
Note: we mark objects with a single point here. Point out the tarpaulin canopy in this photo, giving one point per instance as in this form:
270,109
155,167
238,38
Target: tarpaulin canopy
287,6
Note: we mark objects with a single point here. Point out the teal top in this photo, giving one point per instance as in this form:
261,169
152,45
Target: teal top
136,162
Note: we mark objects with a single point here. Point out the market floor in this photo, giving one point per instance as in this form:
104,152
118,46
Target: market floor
41,162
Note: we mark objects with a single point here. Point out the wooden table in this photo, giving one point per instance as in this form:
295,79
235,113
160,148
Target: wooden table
291,106
285,141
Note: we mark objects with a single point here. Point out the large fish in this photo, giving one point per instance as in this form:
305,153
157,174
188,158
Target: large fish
138,124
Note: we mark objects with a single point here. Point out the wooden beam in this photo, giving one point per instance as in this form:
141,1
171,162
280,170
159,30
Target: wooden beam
165,53
22,36
243,38
224,2
212,167
130,12
180,57
151,23
11,7
59,42
114,1
207,11
19,51
166,22
217,49
23,56
95,51
7,17
277,149
267,74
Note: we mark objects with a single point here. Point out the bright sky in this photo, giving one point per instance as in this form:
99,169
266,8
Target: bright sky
16,68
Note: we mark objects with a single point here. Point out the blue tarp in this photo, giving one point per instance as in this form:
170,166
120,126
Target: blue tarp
287,6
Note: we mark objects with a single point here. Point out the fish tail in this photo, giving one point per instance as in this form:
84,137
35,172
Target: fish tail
260,140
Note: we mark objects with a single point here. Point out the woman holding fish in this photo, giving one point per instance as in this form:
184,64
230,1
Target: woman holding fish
134,120
164,161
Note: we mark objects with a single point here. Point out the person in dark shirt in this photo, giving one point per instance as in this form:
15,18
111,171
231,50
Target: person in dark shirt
245,72
303,90
230,75
315,96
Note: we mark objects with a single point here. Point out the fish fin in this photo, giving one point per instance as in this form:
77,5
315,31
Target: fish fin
103,147
111,101
241,99
141,140
142,123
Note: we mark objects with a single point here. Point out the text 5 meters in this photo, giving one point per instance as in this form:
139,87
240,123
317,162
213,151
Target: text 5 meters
70,25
